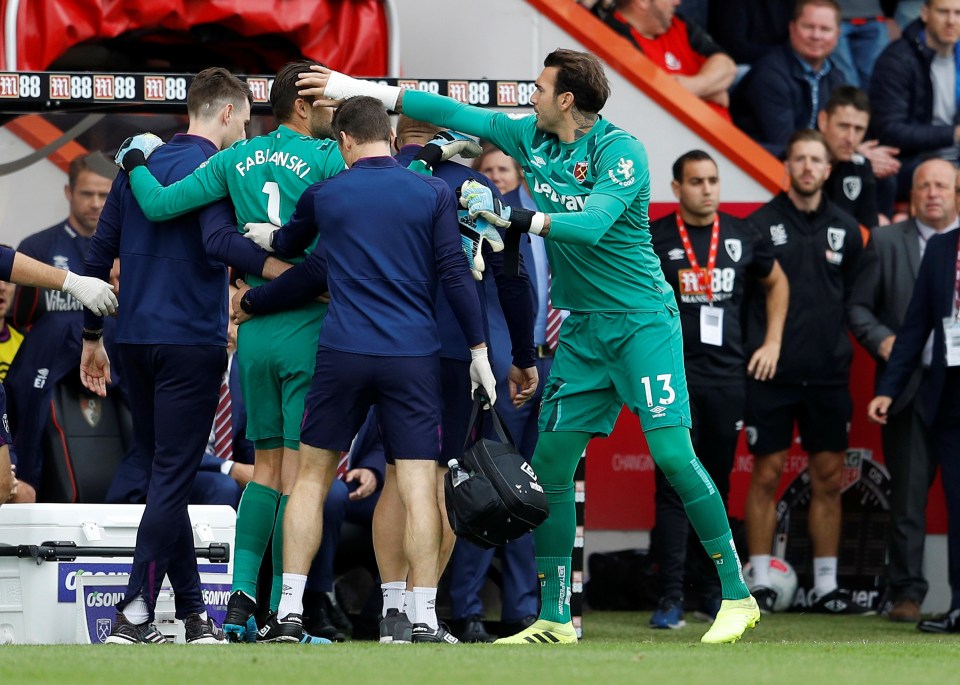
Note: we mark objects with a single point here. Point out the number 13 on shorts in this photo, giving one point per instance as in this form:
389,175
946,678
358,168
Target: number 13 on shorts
662,384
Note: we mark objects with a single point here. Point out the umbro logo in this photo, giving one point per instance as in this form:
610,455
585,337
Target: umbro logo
658,412
676,254
537,161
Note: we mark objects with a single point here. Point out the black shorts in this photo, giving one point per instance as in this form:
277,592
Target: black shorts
346,385
821,412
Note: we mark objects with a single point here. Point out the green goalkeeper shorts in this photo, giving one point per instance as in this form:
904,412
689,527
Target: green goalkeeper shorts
277,355
608,359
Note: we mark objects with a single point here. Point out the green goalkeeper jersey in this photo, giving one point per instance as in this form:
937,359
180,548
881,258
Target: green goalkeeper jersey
596,190
263,177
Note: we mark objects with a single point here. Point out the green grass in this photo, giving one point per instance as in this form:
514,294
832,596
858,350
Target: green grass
618,648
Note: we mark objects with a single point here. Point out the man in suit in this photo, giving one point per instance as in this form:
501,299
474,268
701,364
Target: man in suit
933,307
879,302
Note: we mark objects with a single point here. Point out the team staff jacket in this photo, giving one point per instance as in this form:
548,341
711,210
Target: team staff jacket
596,190
387,238
172,292
514,293
853,188
58,246
742,255
819,252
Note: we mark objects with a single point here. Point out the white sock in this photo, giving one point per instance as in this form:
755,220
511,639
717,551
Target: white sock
761,569
425,600
291,600
137,611
393,595
408,606
824,575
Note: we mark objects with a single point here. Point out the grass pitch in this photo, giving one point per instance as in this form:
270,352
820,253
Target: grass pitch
618,648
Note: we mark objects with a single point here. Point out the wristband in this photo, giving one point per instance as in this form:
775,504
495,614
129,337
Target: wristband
133,159
431,155
526,220
92,335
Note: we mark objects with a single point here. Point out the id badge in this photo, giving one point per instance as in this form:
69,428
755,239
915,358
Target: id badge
951,337
711,325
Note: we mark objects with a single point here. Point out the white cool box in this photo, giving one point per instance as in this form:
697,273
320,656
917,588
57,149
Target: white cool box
51,601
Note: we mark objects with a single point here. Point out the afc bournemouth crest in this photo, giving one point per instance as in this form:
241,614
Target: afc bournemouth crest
835,237
852,185
91,409
580,171
734,248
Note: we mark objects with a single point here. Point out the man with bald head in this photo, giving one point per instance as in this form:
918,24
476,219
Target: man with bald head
879,302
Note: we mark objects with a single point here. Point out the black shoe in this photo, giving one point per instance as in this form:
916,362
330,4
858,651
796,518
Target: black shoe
839,601
126,633
514,627
423,633
474,631
319,624
707,608
202,632
338,617
290,629
239,625
945,623
766,598
395,628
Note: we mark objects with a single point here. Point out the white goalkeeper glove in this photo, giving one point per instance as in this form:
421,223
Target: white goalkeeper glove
478,199
473,231
481,375
444,146
135,151
261,234
94,294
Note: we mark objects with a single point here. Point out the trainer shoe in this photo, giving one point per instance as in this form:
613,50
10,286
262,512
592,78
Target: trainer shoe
338,617
239,625
474,630
421,632
542,633
766,598
669,614
126,633
290,629
945,623
202,632
395,628
839,601
733,619
318,623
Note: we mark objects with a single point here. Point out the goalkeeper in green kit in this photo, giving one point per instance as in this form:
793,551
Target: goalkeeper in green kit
621,343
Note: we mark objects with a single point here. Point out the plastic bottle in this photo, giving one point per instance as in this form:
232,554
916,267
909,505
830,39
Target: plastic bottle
457,474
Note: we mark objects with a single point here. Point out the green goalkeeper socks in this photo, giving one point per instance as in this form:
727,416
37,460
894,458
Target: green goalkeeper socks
255,518
277,589
555,462
672,451
554,575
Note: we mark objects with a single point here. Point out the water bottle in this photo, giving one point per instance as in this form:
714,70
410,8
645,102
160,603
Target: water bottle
457,474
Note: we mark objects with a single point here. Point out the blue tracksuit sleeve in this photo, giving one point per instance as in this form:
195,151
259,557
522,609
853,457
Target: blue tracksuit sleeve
222,242
6,262
294,287
105,245
519,306
296,235
453,270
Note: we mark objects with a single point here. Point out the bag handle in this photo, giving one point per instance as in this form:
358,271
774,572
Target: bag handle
477,417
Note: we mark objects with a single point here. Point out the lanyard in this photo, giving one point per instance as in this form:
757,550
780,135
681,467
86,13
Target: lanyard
706,278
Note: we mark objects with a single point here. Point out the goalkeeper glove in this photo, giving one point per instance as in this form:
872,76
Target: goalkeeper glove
444,145
135,151
473,231
478,199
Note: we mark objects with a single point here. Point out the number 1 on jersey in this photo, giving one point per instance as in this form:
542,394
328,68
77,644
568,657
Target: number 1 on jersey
272,191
